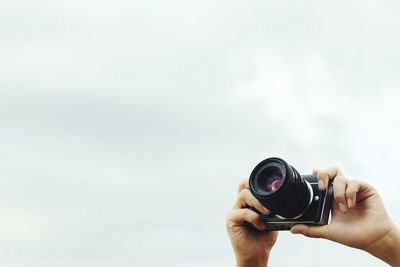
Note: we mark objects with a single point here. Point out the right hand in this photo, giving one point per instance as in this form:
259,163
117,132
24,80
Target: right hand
359,218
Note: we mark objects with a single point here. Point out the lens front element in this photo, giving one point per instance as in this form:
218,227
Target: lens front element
273,179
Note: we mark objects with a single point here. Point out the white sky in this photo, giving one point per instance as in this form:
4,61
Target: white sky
125,125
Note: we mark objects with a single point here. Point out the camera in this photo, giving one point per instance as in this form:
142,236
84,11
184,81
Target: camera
292,198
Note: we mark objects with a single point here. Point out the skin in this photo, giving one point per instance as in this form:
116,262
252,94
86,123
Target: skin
359,220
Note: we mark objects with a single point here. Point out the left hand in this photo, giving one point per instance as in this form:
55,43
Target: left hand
251,245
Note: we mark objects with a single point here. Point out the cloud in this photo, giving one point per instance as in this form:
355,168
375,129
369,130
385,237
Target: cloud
125,126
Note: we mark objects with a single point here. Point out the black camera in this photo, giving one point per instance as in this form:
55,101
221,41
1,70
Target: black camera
292,198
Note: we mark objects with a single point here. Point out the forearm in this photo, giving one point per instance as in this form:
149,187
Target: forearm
387,248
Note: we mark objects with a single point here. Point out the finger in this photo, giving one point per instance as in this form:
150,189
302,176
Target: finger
311,231
324,175
315,171
351,193
245,199
238,217
243,184
339,192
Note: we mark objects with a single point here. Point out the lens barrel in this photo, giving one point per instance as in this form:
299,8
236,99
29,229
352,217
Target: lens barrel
280,188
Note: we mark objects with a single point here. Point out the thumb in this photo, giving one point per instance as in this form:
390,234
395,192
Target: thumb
311,231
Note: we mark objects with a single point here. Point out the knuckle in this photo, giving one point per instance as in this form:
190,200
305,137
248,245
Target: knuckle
340,179
250,215
246,212
242,184
254,220
351,191
238,203
339,197
228,218
352,188
229,225
358,183
243,194
336,170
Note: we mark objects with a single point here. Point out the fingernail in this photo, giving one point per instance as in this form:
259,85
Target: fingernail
266,211
297,231
342,207
349,203
321,184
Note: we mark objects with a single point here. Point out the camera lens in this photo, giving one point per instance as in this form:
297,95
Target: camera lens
280,188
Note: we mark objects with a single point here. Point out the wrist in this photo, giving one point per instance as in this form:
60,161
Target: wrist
387,248
259,261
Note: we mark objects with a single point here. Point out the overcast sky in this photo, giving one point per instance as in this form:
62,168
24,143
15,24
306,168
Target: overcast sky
125,126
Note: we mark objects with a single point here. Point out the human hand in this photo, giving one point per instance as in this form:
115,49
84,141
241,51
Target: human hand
359,218
250,243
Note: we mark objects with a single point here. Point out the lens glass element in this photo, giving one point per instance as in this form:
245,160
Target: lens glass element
270,179
273,182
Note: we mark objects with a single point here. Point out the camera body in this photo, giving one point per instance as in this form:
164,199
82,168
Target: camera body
316,214
291,197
